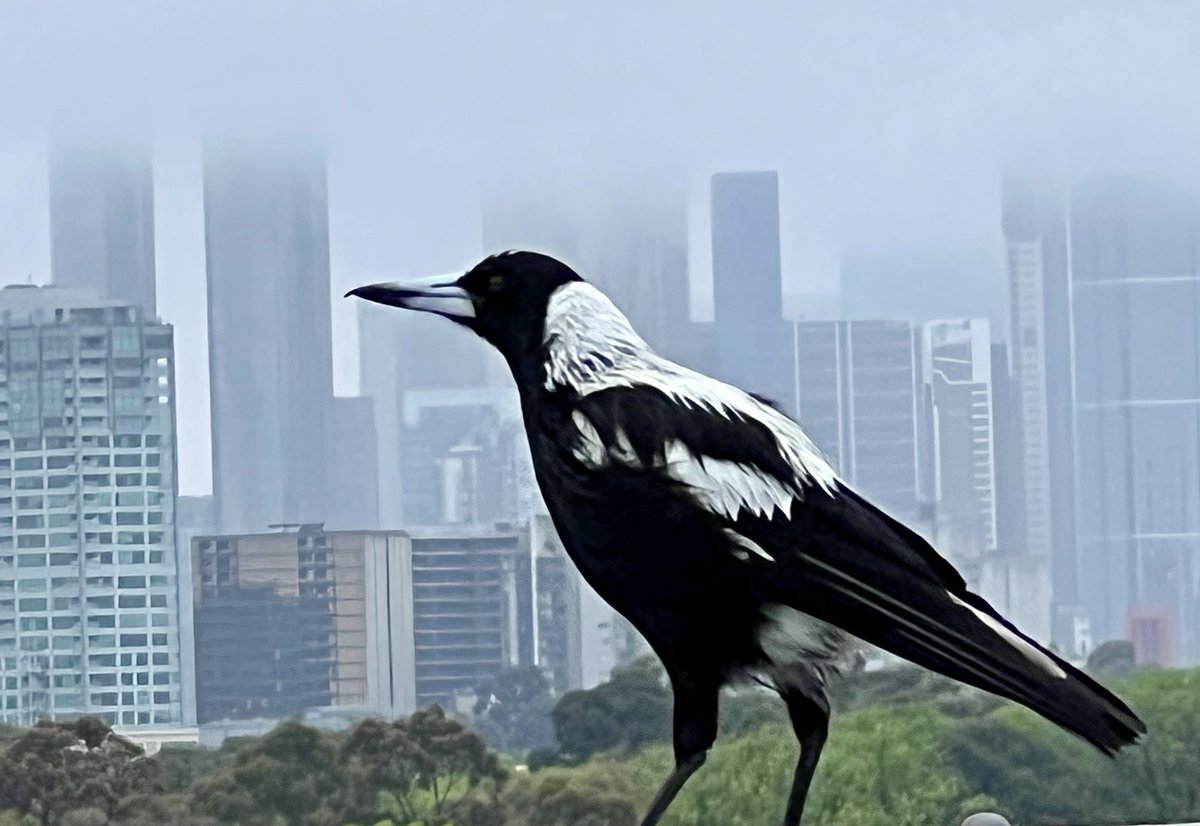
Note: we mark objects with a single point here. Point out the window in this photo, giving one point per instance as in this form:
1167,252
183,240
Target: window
130,640
128,480
127,460
32,604
33,521
131,582
160,639
32,541
131,601
29,463
129,518
158,600
130,498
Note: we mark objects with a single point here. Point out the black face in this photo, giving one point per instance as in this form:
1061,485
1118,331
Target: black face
502,298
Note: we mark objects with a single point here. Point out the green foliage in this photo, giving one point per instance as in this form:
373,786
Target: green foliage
288,777
513,711
61,773
1037,773
890,760
420,769
631,710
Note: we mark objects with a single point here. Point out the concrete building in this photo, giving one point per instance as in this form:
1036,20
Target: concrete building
303,619
1106,294
556,588
402,386
267,245
380,623
1135,320
753,347
857,397
472,607
89,578
958,372
463,458
194,516
102,218
1035,231
352,465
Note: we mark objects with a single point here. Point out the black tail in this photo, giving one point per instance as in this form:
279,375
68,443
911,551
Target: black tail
964,638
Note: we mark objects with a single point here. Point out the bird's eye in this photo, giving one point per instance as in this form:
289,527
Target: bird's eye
496,283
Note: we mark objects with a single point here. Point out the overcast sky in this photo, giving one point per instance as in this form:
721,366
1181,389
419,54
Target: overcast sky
886,120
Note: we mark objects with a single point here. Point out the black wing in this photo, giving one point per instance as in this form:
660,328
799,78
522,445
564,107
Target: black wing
837,557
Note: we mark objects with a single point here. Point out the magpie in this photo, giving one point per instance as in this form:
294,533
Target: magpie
707,517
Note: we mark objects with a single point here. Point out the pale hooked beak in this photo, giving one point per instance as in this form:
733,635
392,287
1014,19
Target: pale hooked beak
439,294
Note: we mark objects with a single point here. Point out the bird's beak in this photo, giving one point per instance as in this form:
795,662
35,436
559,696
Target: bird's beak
438,294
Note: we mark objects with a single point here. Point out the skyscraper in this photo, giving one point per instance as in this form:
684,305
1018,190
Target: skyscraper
1035,231
753,346
1135,303
89,577
267,244
958,370
102,218
1106,302
857,392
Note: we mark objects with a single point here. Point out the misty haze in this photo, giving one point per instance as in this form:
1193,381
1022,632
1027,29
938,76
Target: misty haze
270,554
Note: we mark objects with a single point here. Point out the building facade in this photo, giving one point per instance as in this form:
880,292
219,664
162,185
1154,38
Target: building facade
269,329
1109,390
857,390
472,608
556,588
102,218
303,619
958,372
753,344
89,578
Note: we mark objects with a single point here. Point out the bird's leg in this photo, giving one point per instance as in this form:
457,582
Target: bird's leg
695,729
810,721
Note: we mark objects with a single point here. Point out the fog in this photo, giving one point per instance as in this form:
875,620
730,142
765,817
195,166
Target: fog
888,123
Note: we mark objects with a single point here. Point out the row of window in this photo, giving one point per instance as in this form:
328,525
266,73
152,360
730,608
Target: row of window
91,500
63,540
66,460
71,643
66,622
123,600
68,442
37,586
123,480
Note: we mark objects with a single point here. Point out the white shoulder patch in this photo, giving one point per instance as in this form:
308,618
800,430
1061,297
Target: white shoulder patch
591,347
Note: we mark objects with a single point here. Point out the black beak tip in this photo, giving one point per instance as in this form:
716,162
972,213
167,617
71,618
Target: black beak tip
352,292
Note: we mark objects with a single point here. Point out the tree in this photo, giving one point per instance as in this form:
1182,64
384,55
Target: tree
513,711
629,711
422,769
56,768
290,776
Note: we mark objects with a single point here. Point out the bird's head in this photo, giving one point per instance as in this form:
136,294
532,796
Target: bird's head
503,298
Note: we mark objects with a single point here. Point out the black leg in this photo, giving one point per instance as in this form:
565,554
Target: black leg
810,721
695,726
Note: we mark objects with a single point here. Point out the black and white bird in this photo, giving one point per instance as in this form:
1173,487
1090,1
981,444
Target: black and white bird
708,519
